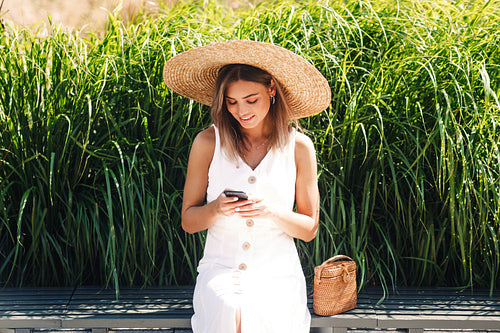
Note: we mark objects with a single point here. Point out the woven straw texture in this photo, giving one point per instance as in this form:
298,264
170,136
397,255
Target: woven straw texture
335,288
193,73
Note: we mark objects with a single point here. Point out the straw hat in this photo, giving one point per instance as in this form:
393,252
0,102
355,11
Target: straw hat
193,73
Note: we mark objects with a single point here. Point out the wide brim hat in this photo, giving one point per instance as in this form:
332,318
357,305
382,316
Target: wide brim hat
193,73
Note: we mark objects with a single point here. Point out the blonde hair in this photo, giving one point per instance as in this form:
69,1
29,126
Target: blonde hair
229,128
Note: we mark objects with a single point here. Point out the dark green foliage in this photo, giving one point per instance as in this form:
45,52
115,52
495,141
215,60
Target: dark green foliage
94,147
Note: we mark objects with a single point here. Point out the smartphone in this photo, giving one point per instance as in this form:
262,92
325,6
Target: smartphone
240,194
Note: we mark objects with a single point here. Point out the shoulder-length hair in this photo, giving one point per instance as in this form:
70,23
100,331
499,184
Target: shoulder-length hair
229,128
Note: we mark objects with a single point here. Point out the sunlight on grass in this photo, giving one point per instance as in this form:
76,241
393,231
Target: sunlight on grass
94,147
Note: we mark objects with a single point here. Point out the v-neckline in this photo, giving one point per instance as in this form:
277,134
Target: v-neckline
259,164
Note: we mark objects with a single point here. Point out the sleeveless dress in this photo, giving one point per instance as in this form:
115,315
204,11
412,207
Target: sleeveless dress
251,264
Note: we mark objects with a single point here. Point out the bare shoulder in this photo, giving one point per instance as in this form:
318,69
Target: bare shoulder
205,140
303,144
203,146
305,154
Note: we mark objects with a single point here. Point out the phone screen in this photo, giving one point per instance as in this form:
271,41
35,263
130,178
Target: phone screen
240,194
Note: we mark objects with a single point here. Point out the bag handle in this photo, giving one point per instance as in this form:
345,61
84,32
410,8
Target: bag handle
332,260
335,258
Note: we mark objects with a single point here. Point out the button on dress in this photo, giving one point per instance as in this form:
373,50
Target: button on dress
251,264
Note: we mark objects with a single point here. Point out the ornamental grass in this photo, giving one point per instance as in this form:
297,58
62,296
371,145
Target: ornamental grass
94,147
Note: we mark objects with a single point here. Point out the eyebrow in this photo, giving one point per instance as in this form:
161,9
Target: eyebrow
248,96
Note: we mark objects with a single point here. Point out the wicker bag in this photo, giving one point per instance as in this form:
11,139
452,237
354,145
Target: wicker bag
335,289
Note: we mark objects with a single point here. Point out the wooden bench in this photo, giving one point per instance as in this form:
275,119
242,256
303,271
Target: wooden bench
170,308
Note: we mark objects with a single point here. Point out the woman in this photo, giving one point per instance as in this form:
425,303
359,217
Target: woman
250,278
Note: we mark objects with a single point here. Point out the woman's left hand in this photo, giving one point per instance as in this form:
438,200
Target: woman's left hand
257,208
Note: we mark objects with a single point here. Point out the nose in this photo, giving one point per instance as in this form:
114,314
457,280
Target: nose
242,110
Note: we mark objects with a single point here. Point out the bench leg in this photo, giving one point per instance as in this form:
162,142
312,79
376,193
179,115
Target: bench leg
22,330
321,330
99,330
415,330
328,330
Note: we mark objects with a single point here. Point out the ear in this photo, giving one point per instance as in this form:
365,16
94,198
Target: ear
272,88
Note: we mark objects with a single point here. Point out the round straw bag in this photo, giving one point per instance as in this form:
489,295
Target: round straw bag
335,289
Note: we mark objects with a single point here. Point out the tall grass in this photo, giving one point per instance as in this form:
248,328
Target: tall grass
94,148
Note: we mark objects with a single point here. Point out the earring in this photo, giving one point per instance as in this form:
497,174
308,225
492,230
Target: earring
273,99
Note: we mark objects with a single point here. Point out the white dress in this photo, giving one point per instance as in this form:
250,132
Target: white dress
251,264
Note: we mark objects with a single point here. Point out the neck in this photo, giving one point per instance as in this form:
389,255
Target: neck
256,139
256,134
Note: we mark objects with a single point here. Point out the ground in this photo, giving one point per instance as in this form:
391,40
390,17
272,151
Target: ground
81,14
70,14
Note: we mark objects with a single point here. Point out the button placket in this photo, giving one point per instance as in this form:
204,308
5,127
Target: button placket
244,256
237,282
246,245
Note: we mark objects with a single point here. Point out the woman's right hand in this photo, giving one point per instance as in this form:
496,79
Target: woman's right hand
226,206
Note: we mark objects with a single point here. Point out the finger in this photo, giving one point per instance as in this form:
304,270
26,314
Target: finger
230,199
248,210
245,215
254,198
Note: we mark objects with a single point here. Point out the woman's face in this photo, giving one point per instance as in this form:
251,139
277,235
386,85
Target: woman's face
248,102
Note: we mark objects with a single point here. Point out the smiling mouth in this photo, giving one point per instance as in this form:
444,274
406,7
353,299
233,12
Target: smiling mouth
245,119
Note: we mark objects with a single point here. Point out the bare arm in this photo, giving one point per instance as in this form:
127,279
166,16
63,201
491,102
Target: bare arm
306,186
196,215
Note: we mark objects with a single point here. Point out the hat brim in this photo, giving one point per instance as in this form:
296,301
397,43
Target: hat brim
193,73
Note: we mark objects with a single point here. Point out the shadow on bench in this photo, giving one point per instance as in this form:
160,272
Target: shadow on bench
25,309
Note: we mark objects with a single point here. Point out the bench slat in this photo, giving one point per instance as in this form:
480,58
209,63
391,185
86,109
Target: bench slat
127,322
437,322
439,307
30,322
171,307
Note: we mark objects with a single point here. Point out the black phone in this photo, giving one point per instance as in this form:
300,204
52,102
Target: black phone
240,194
